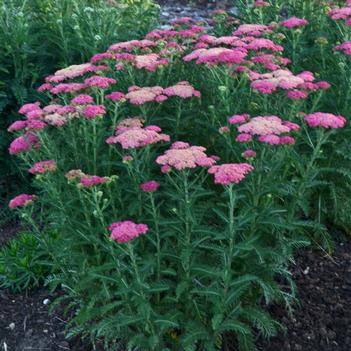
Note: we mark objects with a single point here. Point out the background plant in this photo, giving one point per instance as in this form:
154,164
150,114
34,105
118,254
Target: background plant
39,36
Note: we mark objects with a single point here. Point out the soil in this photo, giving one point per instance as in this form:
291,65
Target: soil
322,321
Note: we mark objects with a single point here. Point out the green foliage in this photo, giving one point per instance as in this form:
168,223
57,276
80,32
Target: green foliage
24,263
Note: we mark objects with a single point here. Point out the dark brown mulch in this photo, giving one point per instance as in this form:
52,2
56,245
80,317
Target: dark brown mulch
322,322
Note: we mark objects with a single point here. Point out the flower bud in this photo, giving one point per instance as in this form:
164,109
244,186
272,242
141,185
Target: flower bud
321,41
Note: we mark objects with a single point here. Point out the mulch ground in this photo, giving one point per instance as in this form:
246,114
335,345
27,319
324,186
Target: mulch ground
322,321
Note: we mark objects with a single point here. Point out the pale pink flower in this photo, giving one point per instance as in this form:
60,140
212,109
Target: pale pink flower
217,55
55,119
182,89
230,173
325,120
252,29
125,231
128,123
264,126
43,167
73,174
22,200
182,156
137,137
70,72
224,129
150,186
130,45
149,62
51,108
139,96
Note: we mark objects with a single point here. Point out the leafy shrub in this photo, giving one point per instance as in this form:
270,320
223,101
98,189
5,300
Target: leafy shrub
24,263
37,37
179,203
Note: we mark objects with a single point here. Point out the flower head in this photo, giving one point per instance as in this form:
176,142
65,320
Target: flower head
249,153
294,22
125,231
82,99
230,173
136,137
43,167
150,186
24,143
90,180
93,111
21,200
325,120
182,156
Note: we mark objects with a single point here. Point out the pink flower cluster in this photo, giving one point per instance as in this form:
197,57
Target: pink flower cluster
93,111
182,156
140,96
131,45
297,86
21,200
269,129
217,55
125,231
256,30
345,47
43,167
150,62
230,173
150,186
73,71
325,120
24,143
90,180
294,22
343,13
131,134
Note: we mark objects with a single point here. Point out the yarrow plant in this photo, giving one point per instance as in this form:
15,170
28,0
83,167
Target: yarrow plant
180,171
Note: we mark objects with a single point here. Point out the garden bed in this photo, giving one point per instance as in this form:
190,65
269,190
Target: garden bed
321,321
